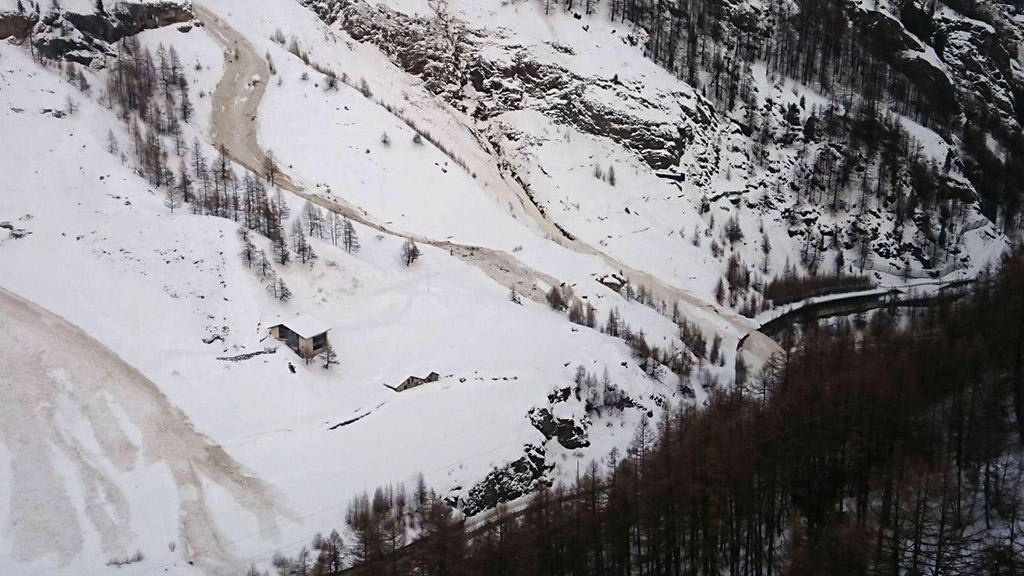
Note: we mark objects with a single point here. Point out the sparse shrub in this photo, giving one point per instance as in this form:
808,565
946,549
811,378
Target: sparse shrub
297,50
410,252
556,300
126,560
733,231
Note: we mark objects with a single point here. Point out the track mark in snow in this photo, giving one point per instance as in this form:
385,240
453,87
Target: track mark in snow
357,418
247,355
350,421
57,382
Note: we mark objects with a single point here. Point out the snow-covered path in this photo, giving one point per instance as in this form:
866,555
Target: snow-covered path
80,426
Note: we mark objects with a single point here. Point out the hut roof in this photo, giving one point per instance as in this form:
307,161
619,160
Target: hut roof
304,325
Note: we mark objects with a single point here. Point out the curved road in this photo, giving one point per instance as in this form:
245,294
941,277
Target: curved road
236,103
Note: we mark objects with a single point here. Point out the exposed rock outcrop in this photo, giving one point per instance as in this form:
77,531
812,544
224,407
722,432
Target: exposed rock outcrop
569,433
505,484
887,39
15,25
84,36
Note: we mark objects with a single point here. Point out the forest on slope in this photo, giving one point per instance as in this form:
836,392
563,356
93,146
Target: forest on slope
872,62
892,447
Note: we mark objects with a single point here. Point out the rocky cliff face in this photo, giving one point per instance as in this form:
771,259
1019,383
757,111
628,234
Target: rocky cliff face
450,58
887,38
568,432
565,423
604,107
84,36
979,60
15,25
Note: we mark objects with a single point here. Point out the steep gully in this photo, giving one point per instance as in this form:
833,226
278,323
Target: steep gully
236,103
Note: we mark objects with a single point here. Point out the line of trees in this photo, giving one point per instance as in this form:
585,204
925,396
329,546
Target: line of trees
712,45
892,450
790,287
152,97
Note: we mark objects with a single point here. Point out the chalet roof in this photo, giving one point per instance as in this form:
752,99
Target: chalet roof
432,376
304,325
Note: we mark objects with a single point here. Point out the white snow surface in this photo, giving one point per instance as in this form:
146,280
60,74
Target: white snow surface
104,254
153,288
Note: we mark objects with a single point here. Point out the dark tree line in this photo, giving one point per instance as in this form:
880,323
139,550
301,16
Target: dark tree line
790,287
890,450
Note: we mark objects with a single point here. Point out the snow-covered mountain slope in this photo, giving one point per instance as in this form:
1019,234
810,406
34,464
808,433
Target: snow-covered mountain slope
566,96
521,150
408,99
89,240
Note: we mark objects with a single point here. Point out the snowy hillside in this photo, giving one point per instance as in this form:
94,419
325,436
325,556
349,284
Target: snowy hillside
183,176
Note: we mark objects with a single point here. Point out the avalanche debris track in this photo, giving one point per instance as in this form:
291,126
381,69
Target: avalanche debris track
236,104
59,382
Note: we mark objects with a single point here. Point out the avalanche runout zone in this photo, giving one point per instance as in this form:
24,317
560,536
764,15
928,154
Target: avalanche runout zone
53,372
